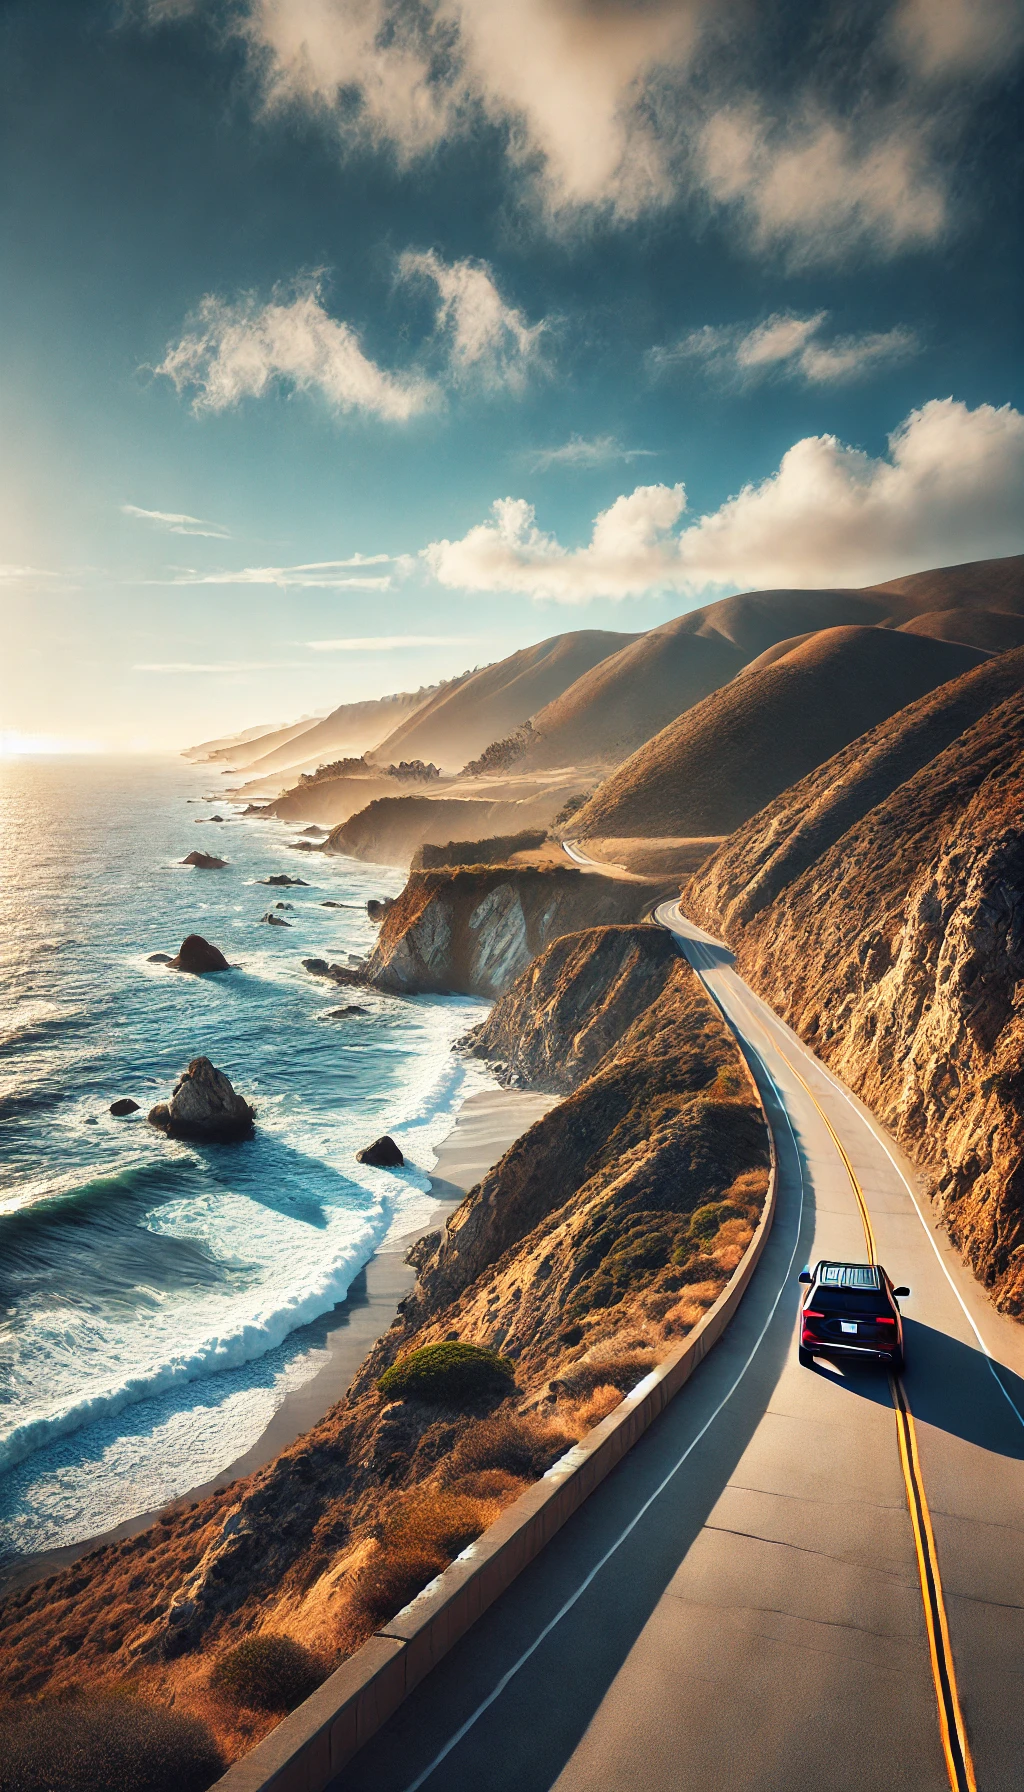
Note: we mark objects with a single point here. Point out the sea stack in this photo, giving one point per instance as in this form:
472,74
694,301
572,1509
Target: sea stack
204,861
197,957
204,1106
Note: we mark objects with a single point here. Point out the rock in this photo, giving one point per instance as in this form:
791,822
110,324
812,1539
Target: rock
377,910
334,904
273,920
216,818
124,1106
318,967
338,973
339,1013
282,881
383,1154
256,809
314,831
304,846
204,861
204,1106
197,957
159,958
284,905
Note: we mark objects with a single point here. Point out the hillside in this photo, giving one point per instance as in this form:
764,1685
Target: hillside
879,906
729,755
467,715
614,709
352,728
994,630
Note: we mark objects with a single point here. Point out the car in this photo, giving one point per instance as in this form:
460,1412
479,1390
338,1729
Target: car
850,1313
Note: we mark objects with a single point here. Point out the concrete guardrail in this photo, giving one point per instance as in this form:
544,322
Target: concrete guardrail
313,1744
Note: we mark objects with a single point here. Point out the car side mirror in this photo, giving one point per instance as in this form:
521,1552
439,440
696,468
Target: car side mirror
901,1291
806,1276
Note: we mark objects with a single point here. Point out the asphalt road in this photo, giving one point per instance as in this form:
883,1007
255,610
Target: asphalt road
740,1604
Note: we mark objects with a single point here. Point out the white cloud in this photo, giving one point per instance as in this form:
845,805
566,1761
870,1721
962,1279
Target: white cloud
16,575
488,339
788,345
243,350
817,189
177,523
950,490
952,37
317,575
384,643
600,451
572,84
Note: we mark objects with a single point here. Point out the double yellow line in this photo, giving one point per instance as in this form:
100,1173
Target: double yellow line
952,1729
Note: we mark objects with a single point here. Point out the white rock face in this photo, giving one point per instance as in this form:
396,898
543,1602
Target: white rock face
502,949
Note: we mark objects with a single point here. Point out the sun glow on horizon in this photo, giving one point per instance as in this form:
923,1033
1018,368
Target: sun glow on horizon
16,745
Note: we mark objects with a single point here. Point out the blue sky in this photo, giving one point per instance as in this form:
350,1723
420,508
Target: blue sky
434,329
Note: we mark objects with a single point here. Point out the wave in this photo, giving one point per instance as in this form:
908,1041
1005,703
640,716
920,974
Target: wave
242,1343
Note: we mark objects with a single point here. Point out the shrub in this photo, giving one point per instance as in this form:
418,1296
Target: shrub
520,1446
266,1673
492,1484
571,807
447,1375
418,1539
393,1578
622,1372
706,1221
97,1742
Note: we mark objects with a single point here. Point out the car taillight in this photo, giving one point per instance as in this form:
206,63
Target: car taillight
809,1313
883,1319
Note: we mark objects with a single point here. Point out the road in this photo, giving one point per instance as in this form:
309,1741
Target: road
770,1590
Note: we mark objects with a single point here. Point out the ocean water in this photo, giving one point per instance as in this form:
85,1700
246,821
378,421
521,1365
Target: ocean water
159,1299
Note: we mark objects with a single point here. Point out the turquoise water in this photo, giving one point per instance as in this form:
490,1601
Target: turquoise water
158,1299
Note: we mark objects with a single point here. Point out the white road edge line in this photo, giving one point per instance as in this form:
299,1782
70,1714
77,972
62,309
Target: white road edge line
541,1637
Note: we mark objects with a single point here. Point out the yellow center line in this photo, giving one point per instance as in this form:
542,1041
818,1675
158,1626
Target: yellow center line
952,1729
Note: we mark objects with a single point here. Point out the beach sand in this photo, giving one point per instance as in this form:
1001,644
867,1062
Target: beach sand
486,1126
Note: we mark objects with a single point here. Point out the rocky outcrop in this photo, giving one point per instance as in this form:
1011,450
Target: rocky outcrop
123,1106
566,1012
879,906
198,957
383,1153
273,920
205,1107
496,851
204,861
474,931
281,881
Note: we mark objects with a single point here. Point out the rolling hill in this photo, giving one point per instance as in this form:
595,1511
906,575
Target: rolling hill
730,754
613,709
465,716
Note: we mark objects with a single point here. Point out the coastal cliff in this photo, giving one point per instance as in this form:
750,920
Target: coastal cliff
879,906
596,1243
472,930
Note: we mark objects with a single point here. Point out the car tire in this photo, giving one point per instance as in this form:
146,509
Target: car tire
806,1357
896,1363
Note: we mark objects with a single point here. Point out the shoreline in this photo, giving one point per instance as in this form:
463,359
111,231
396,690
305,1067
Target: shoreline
485,1126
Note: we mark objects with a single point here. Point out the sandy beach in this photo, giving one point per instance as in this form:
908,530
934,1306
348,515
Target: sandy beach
487,1124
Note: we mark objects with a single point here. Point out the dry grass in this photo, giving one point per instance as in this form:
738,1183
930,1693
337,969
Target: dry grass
520,1445
266,1673
98,1743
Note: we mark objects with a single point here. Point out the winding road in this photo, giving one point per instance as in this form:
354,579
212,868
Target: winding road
796,1576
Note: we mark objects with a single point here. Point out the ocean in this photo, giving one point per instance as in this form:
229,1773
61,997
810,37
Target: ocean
158,1300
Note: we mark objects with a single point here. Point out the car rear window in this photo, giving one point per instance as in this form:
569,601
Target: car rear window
847,1300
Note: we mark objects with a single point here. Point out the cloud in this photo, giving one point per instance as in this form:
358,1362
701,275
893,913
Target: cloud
570,84
384,643
816,189
177,523
243,350
939,38
487,339
949,490
317,575
788,345
16,575
601,451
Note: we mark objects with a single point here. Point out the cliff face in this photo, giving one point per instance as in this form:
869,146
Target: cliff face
599,1240
879,905
472,931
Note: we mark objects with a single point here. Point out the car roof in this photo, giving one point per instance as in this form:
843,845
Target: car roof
849,1275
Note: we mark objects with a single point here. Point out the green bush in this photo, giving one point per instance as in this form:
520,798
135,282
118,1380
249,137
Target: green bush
447,1375
266,1673
706,1221
98,1743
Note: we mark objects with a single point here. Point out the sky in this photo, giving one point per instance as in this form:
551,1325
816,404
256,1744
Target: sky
346,344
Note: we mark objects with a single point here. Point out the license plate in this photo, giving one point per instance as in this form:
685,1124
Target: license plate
846,1327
